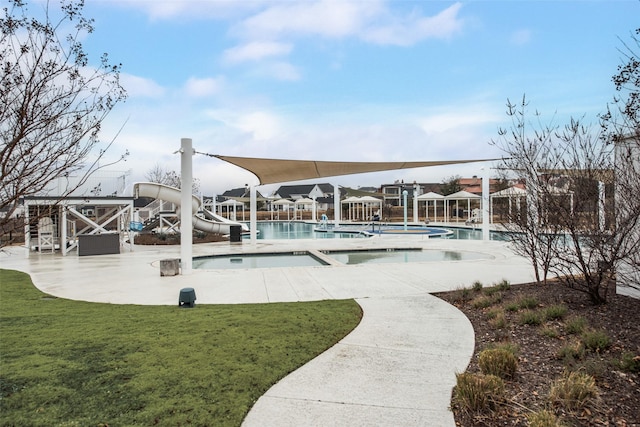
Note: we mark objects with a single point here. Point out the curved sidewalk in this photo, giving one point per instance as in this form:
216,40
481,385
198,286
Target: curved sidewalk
396,368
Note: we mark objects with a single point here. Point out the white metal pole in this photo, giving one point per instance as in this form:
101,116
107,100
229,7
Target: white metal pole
253,215
415,205
186,213
404,202
485,203
336,205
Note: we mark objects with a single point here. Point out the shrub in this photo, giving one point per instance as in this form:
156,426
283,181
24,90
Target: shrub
530,317
482,302
477,392
571,352
492,314
549,332
544,418
555,312
504,285
528,302
630,363
595,340
512,306
499,321
575,325
573,390
462,294
499,362
477,286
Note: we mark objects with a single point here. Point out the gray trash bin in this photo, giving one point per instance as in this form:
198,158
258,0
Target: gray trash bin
235,234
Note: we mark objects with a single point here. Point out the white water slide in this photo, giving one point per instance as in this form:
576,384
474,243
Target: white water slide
213,224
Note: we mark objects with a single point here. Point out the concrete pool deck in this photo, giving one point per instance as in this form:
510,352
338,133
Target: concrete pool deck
396,368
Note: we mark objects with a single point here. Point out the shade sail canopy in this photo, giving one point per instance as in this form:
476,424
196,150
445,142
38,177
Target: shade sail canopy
271,171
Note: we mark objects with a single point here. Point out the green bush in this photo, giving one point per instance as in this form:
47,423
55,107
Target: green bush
555,312
630,363
595,340
574,390
504,285
544,418
512,306
530,317
477,286
477,392
549,332
499,321
499,362
482,302
576,325
571,352
528,302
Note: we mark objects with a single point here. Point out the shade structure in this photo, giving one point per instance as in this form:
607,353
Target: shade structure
272,171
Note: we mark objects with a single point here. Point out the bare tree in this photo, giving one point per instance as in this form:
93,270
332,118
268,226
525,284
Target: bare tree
53,101
451,185
621,127
168,177
565,230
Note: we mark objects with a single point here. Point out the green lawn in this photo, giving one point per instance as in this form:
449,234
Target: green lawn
70,363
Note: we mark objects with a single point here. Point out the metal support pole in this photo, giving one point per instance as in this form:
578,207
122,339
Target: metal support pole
486,211
253,215
404,202
186,212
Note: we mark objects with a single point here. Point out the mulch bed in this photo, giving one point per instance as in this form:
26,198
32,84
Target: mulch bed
618,401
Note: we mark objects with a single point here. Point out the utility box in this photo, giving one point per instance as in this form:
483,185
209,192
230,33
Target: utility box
98,244
235,234
187,298
169,267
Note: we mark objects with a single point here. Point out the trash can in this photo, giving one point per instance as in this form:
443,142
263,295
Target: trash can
235,234
187,298
169,267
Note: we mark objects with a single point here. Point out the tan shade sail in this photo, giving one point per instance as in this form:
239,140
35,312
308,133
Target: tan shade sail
271,171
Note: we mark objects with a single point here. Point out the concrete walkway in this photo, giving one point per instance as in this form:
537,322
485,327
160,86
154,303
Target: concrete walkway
396,368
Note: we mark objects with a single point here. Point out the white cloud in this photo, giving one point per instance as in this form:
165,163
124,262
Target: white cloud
413,28
202,87
521,37
327,18
141,87
259,125
255,51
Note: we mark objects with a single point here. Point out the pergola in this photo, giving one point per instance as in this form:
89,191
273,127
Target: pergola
305,201
512,194
434,197
457,197
283,203
362,208
231,203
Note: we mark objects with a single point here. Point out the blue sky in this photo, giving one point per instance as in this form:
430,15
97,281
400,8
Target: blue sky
366,80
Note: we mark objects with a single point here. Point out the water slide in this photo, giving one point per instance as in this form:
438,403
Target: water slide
212,224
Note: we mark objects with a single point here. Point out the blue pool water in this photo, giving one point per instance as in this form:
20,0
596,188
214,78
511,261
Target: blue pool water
302,230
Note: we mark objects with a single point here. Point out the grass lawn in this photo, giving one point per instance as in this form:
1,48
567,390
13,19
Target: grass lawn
72,363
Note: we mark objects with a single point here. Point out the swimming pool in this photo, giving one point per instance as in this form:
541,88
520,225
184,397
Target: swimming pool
402,256
302,230
269,260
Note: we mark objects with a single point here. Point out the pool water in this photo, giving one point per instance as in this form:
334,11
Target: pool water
403,256
296,230
225,262
301,230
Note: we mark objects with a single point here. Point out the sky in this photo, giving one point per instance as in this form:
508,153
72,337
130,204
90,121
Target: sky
347,80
